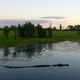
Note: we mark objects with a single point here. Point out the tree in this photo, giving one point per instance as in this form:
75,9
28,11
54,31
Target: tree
54,29
20,30
77,27
31,29
60,27
6,31
50,32
28,30
40,32
14,29
71,27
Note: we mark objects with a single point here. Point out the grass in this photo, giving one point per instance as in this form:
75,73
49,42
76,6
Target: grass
66,35
57,37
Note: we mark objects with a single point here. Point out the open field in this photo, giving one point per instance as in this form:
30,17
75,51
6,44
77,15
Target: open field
57,37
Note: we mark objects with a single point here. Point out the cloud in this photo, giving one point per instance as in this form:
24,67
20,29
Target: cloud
53,17
38,21
9,22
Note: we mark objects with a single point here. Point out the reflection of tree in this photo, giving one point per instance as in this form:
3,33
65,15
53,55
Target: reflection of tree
39,48
32,50
44,46
17,51
79,43
27,51
14,54
50,46
6,52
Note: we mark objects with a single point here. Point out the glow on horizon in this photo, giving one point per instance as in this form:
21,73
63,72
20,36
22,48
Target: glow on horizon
30,9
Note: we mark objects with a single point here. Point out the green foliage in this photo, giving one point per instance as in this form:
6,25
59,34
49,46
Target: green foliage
14,29
6,31
27,30
50,32
20,30
41,32
57,37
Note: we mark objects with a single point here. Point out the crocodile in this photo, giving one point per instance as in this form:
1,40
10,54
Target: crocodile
36,66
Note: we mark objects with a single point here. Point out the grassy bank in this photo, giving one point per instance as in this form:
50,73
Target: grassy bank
57,37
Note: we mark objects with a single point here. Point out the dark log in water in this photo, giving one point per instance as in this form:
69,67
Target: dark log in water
36,66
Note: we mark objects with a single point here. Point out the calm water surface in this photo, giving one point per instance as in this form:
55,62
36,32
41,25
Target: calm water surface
41,54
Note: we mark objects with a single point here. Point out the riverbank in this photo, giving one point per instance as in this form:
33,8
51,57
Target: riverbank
57,37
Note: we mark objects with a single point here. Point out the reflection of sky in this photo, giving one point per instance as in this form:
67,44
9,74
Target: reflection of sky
29,9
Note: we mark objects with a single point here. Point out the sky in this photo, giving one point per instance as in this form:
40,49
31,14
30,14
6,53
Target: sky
56,11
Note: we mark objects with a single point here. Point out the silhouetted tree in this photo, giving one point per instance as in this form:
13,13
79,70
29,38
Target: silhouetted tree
40,31
71,27
77,27
60,27
20,30
54,29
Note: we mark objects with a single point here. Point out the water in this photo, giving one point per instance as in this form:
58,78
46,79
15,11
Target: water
41,54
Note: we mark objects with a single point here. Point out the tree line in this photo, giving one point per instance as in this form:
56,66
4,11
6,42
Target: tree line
69,28
27,30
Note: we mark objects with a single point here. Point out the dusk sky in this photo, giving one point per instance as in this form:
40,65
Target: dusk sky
58,11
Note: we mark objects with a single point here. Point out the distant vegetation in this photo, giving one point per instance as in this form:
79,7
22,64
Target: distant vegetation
30,33
27,30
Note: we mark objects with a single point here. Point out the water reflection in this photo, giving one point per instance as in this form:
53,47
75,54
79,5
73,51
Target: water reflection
60,62
39,53
6,52
27,51
50,46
